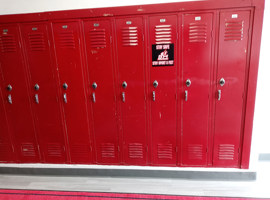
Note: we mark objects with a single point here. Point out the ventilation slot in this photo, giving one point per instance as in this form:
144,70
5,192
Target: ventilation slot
226,152
97,38
197,32
80,151
195,152
36,41
7,43
135,150
129,36
66,40
54,150
4,149
165,151
107,150
28,150
234,31
163,34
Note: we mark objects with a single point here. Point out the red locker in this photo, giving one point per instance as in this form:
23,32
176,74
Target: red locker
67,39
101,86
7,153
163,64
44,97
197,58
230,83
131,87
15,93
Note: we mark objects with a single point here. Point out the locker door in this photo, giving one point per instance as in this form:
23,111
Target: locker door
197,42
163,34
6,147
101,86
69,63
131,84
43,88
232,65
15,94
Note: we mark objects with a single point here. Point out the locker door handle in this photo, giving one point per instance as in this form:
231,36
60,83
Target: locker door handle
36,99
9,99
94,97
65,97
123,96
186,95
154,95
219,95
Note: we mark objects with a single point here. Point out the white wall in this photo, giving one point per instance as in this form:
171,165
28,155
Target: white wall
261,131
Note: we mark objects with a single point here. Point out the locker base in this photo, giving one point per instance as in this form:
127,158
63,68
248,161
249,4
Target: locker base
129,171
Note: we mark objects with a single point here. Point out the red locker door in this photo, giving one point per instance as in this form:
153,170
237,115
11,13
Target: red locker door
131,87
98,43
44,92
69,62
197,43
232,66
15,93
6,147
163,41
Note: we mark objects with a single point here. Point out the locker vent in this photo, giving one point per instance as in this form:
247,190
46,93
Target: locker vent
54,150
234,31
163,34
165,151
107,150
28,150
195,152
36,41
226,152
197,32
129,36
4,149
80,151
7,43
135,150
98,38
66,40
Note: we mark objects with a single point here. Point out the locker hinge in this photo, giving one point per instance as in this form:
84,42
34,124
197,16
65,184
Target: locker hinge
110,39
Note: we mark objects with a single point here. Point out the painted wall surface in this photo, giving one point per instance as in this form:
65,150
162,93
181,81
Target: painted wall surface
261,130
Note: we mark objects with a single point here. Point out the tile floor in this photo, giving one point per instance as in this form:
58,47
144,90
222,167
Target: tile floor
259,188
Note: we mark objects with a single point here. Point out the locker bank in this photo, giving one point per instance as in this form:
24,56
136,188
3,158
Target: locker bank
153,85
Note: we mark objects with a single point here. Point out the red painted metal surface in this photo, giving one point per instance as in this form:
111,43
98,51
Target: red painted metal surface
163,30
197,57
43,92
7,153
233,41
177,131
15,94
99,52
130,60
67,40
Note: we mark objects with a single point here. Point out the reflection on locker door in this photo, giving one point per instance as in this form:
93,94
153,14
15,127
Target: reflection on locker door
15,94
102,91
197,42
7,153
131,87
163,30
68,55
232,65
43,88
